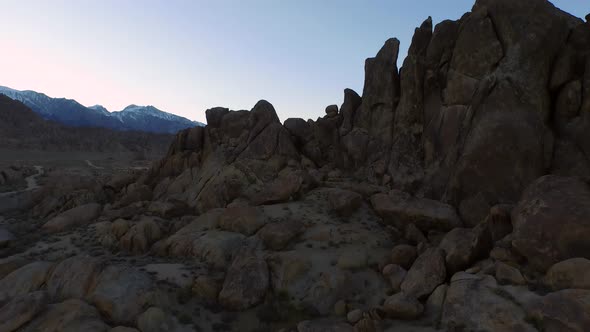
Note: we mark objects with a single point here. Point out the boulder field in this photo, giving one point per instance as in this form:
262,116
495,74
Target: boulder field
453,195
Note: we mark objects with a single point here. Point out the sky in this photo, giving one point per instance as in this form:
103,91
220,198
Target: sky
185,56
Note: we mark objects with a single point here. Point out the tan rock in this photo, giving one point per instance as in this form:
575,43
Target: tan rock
354,316
403,306
506,274
414,235
207,288
11,263
281,190
170,209
72,277
277,235
427,272
571,273
21,309
403,255
246,282
180,244
139,238
398,207
287,267
121,293
26,279
464,246
70,315
155,319
434,305
119,227
80,215
498,221
331,111
565,310
217,248
242,219
550,221
476,302
395,274
344,202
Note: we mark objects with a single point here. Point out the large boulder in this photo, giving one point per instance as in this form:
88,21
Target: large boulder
242,219
21,309
80,215
28,278
427,273
141,235
477,303
70,315
217,248
72,277
121,293
463,246
155,319
403,306
399,208
403,255
551,221
344,202
571,273
277,235
11,263
246,282
565,310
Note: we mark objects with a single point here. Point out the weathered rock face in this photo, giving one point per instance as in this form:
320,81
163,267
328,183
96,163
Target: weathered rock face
478,303
427,273
233,157
70,315
21,310
566,310
121,293
242,219
72,277
482,108
246,283
551,221
443,126
400,209
141,236
462,246
277,235
402,306
77,216
571,273
26,279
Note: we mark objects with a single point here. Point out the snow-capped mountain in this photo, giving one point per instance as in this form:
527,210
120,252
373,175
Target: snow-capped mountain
100,109
72,113
149,118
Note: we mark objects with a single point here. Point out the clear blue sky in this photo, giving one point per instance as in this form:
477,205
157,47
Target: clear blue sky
184,56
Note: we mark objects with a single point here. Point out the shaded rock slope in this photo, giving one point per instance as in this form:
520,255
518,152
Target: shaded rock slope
453,195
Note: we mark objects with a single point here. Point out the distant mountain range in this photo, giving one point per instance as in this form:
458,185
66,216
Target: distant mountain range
71,113
23,129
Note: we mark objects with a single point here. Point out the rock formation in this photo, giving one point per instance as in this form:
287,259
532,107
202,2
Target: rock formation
454,194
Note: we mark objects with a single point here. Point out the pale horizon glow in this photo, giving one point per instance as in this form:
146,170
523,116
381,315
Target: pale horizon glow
184,56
